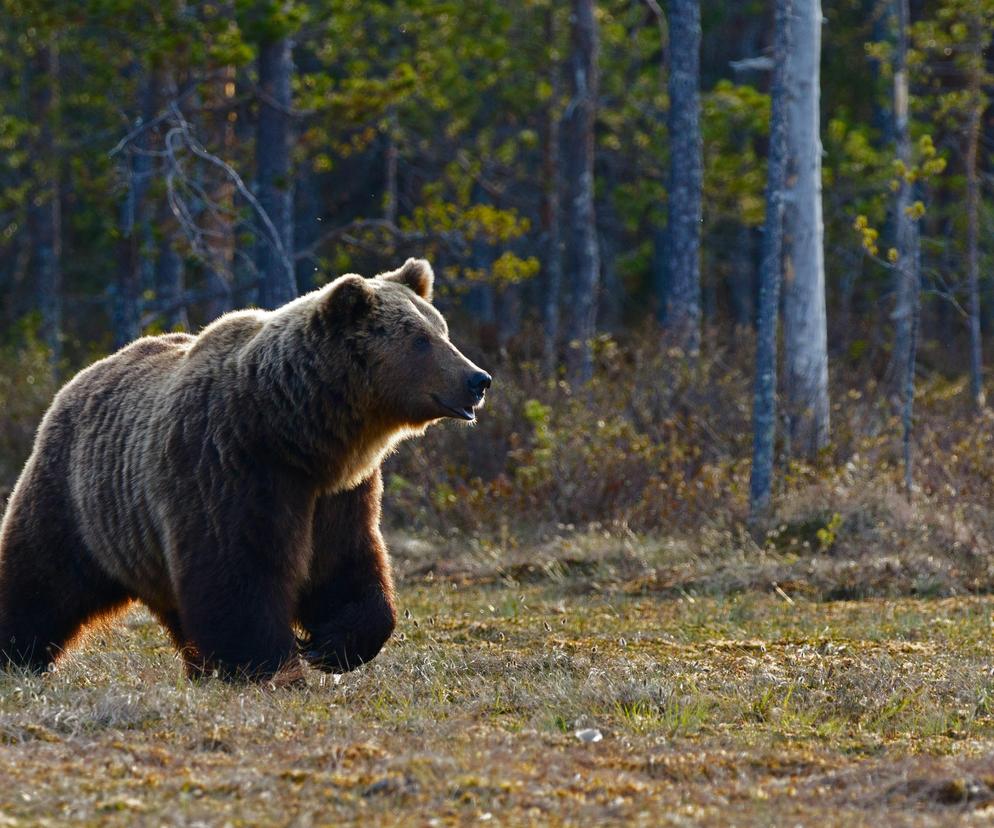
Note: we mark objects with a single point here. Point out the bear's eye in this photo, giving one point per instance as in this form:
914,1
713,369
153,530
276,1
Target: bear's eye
422,343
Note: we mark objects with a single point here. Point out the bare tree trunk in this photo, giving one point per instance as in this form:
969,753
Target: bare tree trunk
274,259
973,218
908,405
45,211
659,265
169,283
144,171
137,172
908,270
906,230
127,296
764,404
219,222
742,278
169,271
805,322
686,176
881,12
551,212
580,172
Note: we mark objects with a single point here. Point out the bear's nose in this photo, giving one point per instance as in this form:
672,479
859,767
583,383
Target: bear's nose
479,382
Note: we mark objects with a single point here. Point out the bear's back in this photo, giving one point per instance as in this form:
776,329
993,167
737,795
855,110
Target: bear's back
102,426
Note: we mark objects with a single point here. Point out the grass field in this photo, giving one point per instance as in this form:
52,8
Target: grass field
754,707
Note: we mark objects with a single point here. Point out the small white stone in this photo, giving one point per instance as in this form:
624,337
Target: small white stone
589,734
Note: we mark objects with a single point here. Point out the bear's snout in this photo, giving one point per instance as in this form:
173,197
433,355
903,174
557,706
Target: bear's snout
466,395
479,382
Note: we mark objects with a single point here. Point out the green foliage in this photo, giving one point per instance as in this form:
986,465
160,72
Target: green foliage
827,534
734,120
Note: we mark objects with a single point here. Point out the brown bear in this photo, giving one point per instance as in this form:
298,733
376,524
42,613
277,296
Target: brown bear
231,481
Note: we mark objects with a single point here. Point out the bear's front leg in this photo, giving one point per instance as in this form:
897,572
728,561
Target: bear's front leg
235,598
347,609
239,627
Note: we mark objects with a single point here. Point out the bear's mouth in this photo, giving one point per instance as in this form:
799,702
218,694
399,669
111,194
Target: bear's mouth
460,413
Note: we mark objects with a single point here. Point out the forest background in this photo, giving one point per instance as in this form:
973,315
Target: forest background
590,181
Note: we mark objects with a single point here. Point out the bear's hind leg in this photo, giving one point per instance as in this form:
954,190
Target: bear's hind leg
49,589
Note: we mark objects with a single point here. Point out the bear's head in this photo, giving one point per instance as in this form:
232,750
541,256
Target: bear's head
415,374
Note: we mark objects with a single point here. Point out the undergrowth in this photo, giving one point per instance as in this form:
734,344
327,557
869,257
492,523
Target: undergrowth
654,453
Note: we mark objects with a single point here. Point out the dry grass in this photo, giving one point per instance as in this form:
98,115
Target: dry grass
594,574
752,707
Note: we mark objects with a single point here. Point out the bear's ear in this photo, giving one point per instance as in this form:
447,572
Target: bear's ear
415,274
351,297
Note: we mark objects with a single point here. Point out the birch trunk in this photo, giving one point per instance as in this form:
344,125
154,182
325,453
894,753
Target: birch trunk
805,324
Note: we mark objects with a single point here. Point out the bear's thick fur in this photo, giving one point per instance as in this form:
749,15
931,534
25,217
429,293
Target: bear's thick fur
231,481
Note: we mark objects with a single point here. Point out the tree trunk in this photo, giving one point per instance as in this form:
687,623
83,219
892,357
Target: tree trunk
551,210
219,222
127,296
274,259
973,218
882,14
131,224
144,172
764,403
659,265
908,270
169,283
742,278
805,323
686,176
45,212
906,230
580,173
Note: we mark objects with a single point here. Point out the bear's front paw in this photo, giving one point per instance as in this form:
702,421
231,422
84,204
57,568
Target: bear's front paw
353,636
337,651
